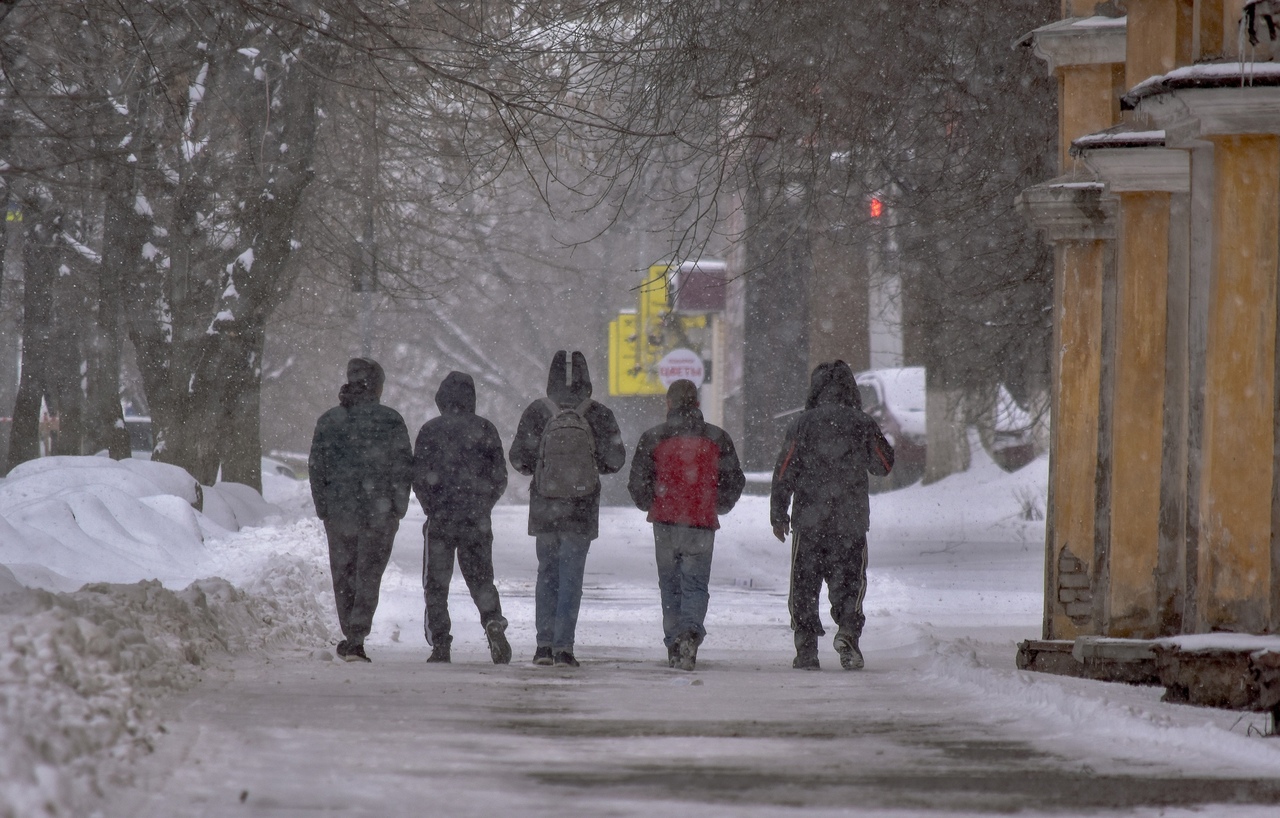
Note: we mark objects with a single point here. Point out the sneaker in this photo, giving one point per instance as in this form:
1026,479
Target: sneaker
439,652
355,653
847,646
542,657
806,652
688,652
673,654
499,647
565,659
341,649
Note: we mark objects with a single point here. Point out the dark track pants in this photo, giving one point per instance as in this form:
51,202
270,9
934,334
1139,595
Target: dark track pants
474,551
840,561
358,555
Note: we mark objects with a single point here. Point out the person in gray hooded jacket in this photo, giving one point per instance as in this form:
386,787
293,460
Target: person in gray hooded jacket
360,467
563,523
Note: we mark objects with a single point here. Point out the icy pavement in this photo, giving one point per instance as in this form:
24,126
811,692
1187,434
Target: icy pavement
221,697
939,721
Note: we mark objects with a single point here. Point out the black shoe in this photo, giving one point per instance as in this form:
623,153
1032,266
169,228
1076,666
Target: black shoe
688,652
673,654
806,662
542,657
847,646
341,649
499,647
806,652
356,654
565,659
439,652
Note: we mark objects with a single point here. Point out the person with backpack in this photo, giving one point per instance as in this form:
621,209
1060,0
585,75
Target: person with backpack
685,473
564,441
459,474
821,476
360,468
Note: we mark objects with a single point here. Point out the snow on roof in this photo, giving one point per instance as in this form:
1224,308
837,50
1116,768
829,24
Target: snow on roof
1207,75
1099,21
1120,139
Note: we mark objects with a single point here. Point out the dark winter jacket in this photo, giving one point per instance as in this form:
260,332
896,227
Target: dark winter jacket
685,471
361,463
826,455
567,388
459,471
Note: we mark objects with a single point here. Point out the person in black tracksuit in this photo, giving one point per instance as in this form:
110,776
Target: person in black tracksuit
821,474
459,474
360,467
563,527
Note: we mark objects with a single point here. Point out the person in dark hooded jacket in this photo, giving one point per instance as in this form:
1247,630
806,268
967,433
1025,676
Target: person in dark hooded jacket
821,475
360,468
685,473
459,474
563,526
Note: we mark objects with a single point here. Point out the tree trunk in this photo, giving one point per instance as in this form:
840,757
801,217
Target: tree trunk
124,232
240,433
39,257
947,450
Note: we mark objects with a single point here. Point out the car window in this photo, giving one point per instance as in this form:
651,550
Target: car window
870,397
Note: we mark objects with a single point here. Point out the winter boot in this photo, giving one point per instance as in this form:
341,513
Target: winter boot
355,653
806,652
846,645
688,651
673,654
341,649
499,647
440,651
542,657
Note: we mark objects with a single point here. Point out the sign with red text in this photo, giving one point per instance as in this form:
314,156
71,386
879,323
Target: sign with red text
681,365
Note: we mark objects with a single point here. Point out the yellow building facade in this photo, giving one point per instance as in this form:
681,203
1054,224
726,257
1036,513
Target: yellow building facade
1164,498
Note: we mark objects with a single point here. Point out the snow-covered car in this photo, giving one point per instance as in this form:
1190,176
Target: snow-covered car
895,397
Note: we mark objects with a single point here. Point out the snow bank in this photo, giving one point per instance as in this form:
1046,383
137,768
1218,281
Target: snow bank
69,520
78,668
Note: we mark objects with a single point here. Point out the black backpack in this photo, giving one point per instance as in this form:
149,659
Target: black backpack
566,466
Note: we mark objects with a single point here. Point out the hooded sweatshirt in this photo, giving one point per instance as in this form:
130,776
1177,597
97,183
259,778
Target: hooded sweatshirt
459,472
360,460
568,386
828,451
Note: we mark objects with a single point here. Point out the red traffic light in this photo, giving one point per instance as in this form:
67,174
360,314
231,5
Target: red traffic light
877,208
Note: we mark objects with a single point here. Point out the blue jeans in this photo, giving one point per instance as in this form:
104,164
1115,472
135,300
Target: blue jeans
684,568
562,560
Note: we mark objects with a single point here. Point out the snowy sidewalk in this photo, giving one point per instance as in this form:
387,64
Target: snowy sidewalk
940,720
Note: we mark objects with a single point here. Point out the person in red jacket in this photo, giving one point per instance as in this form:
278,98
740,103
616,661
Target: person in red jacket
685,473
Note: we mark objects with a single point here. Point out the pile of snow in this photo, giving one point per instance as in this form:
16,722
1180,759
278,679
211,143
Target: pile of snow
78,668
65,521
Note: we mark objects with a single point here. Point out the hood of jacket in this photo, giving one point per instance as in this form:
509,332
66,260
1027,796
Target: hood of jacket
456,395
365,379
833,382
568,384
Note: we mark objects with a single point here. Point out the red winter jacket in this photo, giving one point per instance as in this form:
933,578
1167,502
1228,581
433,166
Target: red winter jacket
685,472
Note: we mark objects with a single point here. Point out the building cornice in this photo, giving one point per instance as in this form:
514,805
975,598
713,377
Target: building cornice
1079,41
1068,210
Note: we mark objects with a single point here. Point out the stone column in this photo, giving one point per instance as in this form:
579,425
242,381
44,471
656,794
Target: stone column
1235,558
1081,224
1141,576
